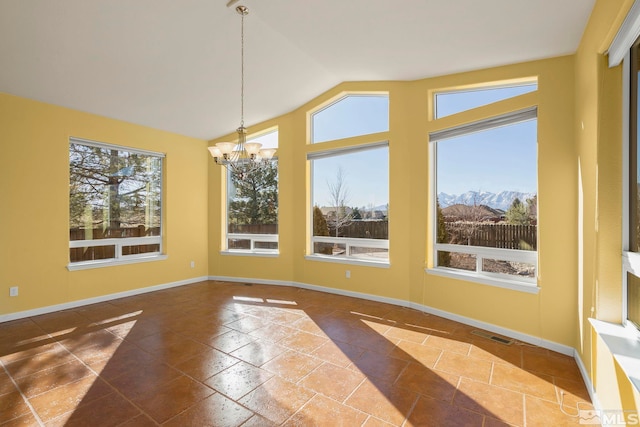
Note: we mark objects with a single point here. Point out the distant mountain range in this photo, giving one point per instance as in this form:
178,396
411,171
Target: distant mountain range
501,200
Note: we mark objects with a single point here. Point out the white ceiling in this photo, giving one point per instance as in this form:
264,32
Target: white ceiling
175,65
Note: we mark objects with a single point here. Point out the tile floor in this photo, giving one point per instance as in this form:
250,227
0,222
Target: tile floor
224,354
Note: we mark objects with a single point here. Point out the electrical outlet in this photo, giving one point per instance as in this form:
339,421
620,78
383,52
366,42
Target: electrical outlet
347,274
13,291
193,264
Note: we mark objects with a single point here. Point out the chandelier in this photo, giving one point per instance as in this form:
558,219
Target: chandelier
241,157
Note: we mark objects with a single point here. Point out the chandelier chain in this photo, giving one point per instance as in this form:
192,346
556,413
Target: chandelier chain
242,69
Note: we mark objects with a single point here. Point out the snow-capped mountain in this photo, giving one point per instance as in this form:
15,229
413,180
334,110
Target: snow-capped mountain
501,200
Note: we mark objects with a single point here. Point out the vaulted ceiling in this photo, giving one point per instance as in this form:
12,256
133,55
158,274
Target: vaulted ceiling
175,65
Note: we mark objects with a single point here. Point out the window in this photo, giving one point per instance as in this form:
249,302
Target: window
115,204
484,176
631,258
252,205
350,196
349,116
453,102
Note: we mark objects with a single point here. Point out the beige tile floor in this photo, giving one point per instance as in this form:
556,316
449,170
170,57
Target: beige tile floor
225,354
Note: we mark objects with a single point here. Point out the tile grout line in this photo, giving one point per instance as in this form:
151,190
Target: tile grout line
24,398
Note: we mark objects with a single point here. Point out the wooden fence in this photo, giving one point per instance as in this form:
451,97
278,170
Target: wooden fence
99,233
505,236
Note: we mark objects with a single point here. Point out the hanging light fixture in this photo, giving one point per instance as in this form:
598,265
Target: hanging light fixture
241,156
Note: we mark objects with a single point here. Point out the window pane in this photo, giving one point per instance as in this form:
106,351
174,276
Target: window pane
92,253
512,268
252,200
486,184
365,252
448,103
239,244
140,249
113,193
634,171
351,194
457,260
351,116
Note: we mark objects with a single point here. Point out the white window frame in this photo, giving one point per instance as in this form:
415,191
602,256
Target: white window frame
253,238
119,243
348,242
493,279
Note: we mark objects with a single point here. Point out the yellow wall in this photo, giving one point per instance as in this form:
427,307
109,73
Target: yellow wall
598,124
34,206
549,314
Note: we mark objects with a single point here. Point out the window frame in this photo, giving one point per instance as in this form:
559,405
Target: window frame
528,285
630,259
120,242
347,241
253,238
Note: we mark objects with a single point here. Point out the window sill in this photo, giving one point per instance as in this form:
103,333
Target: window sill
513,285
352,261
251,253
624,345
87,265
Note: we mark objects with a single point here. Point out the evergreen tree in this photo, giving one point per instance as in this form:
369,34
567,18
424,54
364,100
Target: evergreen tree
444,258
254,198
320,227
517,214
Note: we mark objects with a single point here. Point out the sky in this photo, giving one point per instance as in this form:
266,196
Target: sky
495,160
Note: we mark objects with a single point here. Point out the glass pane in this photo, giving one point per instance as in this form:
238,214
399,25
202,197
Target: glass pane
486,184
239,244
92,253
352,115
634,171
113,193
448,103
140,249
252,200
266,245
512,268
335,249
365,252
351,195
633,299
457,260
268,140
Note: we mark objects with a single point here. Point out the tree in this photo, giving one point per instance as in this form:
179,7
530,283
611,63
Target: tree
444,258
320,227
471,219
339,195
517,214
113,189
532,208
254,196
355,213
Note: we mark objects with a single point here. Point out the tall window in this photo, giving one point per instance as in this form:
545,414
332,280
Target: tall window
485,182
115,203
631,263
350,184
252,205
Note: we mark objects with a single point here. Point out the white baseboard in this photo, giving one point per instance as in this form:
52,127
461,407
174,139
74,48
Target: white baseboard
587,381
530,339
103,298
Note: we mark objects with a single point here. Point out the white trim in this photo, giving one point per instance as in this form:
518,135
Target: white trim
132,259
499,281
97,144
587,380
367,262
323,154
95,300
254,253
627,34
510,118
530,339
623,345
